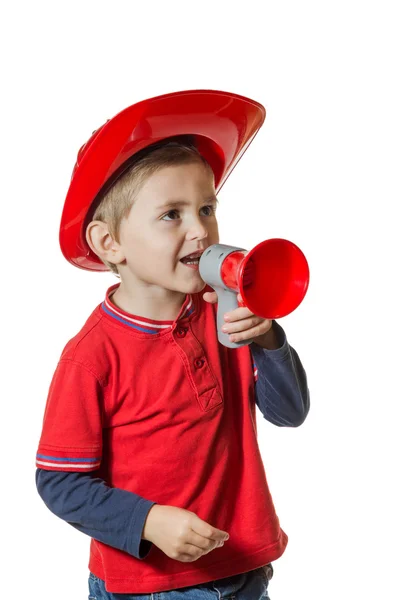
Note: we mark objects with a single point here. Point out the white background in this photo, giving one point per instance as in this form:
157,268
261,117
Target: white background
322,172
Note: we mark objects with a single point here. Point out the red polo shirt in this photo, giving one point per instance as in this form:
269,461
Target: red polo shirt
162,409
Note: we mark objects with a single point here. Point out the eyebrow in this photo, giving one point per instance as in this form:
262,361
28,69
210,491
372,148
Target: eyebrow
177,203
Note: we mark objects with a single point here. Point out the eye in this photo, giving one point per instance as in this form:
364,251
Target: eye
171,212
211,209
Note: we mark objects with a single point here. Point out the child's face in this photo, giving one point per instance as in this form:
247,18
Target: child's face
157,233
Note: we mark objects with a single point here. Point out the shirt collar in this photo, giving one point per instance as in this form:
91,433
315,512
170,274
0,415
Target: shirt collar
143,324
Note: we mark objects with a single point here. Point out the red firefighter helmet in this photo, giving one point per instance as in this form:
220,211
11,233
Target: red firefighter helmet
221,124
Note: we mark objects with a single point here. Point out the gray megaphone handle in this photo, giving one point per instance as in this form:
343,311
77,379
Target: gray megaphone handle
227,301
210,272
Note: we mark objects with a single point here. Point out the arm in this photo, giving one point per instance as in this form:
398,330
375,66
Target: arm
69,455
282,394
110,515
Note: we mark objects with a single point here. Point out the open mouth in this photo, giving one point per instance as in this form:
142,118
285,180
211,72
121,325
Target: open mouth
192,260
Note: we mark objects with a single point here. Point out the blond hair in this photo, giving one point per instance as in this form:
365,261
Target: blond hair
115,201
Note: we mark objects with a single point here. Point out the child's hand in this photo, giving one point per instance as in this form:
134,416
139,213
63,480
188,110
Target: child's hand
243,324
180,533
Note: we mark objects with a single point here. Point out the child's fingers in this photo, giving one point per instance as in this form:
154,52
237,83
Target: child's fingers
247,329
211,297
243,324
238,314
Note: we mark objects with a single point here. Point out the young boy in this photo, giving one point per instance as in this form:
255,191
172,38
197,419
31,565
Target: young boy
149,441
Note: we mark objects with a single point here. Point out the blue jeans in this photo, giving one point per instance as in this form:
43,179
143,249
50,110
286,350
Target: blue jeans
252,585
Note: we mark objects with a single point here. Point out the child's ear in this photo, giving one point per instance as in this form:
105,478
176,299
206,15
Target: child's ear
102,243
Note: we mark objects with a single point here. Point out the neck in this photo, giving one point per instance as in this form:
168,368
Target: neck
150,301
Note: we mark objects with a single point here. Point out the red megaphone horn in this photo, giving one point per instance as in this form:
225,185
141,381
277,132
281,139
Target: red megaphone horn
272,279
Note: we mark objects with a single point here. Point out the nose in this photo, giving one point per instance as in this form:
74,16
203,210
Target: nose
197,231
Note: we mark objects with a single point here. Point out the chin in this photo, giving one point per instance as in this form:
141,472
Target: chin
200,286
193,287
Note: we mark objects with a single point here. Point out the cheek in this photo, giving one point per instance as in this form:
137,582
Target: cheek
214,233
151,246
137,238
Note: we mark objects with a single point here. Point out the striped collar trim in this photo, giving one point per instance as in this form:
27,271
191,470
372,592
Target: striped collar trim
141,323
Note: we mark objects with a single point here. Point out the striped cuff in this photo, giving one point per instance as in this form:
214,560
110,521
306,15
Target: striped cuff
63,461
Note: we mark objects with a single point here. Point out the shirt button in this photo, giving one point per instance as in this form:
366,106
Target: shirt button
198,363
181,332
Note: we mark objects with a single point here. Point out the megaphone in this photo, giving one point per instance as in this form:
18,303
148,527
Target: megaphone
272,279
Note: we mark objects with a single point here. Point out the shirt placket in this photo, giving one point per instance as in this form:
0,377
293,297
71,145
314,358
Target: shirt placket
193,354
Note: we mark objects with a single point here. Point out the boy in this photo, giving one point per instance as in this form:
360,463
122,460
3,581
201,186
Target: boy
149,441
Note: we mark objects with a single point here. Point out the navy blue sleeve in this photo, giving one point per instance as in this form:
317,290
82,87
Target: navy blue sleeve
282,393
110,515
